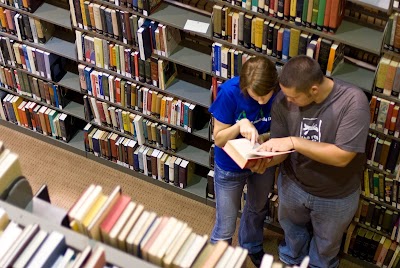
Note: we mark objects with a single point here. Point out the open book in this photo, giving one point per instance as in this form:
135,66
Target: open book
244,154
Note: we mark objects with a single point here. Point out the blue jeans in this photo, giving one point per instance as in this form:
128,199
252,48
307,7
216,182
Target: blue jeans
228,191
313,225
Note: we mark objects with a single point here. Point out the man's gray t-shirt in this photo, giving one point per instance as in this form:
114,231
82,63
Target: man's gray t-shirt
341,119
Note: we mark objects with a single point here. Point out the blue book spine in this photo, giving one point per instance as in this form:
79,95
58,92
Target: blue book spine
236,64
217,59
136,162
100,79
96,146
28,65
186,116
286,44
153,28
166,171
57,104
141,241
135,5
87,73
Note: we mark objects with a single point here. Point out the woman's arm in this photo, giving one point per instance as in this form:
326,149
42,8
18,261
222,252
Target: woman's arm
224,132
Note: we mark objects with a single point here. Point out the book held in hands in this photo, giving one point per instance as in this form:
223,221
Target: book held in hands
245,155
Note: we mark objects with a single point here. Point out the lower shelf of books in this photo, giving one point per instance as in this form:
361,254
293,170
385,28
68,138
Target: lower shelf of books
195,191
75,145
73,240
355,260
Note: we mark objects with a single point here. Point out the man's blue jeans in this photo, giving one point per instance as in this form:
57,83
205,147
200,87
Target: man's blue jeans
313,225
228,191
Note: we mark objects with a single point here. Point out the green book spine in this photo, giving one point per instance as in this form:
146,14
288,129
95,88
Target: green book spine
376,184
314,16
117,59
386,41
321,14
304,15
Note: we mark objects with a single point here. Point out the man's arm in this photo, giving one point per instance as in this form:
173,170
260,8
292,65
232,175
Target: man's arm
322,152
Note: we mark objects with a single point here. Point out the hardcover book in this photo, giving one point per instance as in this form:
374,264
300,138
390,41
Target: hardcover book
245,155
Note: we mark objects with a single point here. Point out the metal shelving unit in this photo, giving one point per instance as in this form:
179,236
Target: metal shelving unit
178,88
55,45
348,33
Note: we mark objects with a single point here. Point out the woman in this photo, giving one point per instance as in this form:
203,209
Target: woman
242,109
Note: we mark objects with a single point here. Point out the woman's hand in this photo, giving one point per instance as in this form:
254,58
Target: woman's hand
248,130
261,165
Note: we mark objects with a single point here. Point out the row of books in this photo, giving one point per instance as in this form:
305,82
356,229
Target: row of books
199,4
165,241
149,36
384,116
392,37
129,153
156,72
31,246
114,23
27,85
38,62
157,38
30,6
85,12
367,245
25,27
37,117
321,15
285,43
378,217
382,152
141,129
172,111
388,76
125,61
379,187
368,16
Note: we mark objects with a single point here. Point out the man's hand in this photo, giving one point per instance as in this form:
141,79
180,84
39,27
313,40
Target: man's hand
261,165
248,130
277,145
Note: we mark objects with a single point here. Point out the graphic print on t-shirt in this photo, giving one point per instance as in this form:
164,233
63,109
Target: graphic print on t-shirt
310,129
260,117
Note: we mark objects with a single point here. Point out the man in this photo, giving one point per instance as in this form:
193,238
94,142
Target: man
326,121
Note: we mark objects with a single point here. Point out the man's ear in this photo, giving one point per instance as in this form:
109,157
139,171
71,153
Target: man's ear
314,90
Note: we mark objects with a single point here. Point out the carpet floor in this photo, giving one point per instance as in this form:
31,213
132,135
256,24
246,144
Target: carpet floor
68,175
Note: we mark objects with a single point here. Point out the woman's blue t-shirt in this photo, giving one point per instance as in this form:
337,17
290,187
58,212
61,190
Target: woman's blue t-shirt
230,106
